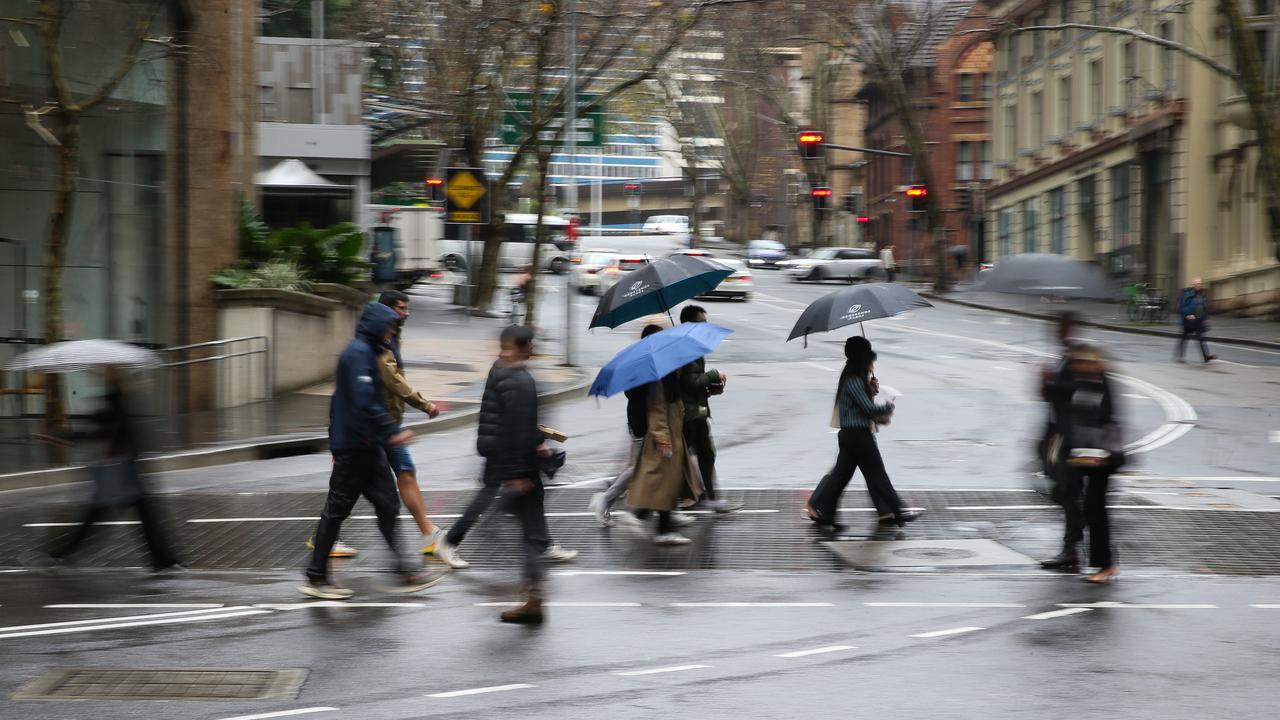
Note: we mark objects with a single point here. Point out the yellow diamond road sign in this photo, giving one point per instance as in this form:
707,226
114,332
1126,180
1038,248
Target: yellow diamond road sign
464,189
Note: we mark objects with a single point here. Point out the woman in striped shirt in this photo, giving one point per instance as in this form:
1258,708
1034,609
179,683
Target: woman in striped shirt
859,416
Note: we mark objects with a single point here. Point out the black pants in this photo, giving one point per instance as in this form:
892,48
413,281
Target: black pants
858,449
1068,489
1096,518
480,502
536,538
664,520
1196,331
357,472
152,530
697,435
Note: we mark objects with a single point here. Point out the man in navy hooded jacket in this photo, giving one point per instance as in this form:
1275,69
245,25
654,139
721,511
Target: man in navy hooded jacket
359,428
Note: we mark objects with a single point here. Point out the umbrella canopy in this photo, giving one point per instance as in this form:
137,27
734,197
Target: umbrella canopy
1047,274
856,304
74,355
656,356
657,287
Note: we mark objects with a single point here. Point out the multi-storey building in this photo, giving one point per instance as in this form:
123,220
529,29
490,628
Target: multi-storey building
1113,149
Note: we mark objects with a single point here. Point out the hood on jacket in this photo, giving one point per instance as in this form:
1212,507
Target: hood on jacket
374,322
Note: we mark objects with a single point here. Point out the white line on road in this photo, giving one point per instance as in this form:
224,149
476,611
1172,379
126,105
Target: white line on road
69,623
563,604
1274,436
481,691
820,367
77,524
1057,613
1266,606
661,573
1002,507
336,604
944,633
1141,606
656,671
283,713
943,604
1237,364
107,606
751,604
779,299
231,613
817,651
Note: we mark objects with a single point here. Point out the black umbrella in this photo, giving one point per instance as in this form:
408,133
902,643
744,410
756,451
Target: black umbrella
658,287
1047,274
856,304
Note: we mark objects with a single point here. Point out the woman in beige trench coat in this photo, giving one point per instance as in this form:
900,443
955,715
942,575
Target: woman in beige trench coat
664,473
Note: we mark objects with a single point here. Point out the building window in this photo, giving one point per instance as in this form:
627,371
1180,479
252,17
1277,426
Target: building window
1095,90
964,87
1057,220
1064,11
965,160
1037,41
1064,106
1037,119
1029,225
1120,229
984,81
1130,79
1095,12
1168,59
985,170
1010,133
1011,55
1004,232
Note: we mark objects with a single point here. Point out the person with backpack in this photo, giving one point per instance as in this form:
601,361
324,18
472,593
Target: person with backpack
1194,307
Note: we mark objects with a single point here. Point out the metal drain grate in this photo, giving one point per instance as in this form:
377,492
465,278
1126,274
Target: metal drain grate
163,684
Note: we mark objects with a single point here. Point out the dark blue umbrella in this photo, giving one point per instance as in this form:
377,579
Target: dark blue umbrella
658,287
656,356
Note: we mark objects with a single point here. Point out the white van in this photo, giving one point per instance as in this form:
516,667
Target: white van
675,224
517,249
416,232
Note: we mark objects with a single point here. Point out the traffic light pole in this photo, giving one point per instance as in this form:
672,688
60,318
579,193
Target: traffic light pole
571,190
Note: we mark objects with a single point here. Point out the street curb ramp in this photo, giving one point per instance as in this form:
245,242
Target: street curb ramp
267,449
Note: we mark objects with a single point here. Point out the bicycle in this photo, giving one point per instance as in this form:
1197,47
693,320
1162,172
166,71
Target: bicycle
519,306
1143,304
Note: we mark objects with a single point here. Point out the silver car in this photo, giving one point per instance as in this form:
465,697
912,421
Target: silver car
849,264
600,271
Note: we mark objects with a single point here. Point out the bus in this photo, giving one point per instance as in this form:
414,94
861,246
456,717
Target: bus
516,252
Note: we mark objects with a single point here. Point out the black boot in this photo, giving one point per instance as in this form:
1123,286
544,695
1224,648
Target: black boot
1067,561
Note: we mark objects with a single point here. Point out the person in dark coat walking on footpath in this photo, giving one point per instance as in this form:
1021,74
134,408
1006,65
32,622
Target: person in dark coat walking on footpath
1194,307
697,383
1068,490
359,429
859,416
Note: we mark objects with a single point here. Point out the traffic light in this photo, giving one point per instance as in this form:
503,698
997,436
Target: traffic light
632,189
863,219
821,196
915,196
811,144
435,189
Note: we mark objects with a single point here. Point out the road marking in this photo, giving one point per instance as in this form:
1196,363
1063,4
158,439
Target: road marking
1057,613
779,307
817,651
999,367
751,604
106,606
1002,507
1274,436
562,604
1135,396
1237,364
661,573
1141,606
656,671
1255,478
78,524
230,613
820,367
972,322
483,690
943,605
20,570
944,633
779,299
69,623
1266,606
736,512
283,713
336,604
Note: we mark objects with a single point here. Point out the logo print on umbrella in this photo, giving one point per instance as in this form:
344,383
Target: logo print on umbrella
854,312
636,288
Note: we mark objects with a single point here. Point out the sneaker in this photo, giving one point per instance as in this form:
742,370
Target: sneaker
556,553
173,568
629,521
430,541
325,590
416,582
671,538
448,554
720,507
340,549
601,510
679,519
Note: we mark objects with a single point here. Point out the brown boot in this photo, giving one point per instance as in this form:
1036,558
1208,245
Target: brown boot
530,613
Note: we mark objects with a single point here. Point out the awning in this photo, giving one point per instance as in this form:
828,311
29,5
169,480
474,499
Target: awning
293,177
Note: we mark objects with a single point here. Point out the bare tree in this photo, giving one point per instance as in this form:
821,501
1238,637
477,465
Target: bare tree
64,110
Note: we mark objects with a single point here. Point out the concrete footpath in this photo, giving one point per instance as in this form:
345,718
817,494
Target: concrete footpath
446,356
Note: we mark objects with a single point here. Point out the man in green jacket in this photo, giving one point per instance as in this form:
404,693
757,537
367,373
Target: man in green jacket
697,384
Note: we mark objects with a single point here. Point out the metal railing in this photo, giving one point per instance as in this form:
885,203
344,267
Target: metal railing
242,370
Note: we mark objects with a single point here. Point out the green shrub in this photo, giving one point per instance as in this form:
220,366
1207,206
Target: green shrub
274,275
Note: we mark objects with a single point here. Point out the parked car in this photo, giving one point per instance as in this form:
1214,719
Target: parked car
766,253
739,285
696,252
851,264
600,271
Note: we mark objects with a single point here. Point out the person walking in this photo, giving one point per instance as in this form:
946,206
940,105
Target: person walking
1194,307
360,428
697,384
399,393
886,259
507,375
116,479
664,472
859,417
1093,445
1068,490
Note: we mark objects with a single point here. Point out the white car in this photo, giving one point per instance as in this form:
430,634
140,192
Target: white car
739,285
600,271
851,264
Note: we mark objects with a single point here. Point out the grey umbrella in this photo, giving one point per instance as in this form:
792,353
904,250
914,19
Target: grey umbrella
856,304
1047,274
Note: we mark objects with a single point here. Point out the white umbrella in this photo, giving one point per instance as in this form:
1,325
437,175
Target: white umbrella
74,355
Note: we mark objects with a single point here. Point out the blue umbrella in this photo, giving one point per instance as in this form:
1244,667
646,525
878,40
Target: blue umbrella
656,356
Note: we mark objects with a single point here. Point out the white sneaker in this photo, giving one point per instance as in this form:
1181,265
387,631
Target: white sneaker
431,541
448,554
629,521
679,519
601,510
556,553
671,538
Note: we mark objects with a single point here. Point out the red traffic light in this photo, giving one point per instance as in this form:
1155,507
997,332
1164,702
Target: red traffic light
811,137
434,182
630,186
863,219
821,192
916,191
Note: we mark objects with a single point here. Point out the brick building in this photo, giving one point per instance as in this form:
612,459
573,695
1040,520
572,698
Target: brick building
950,77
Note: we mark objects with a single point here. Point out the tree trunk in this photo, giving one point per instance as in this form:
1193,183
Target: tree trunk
493,234
59,219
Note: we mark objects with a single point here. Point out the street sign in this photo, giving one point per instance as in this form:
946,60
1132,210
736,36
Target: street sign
515,121
466,192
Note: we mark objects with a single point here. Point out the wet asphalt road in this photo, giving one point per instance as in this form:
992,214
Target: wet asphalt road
748,644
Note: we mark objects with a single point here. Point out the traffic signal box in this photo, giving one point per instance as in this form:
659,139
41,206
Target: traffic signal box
821,197
811,144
